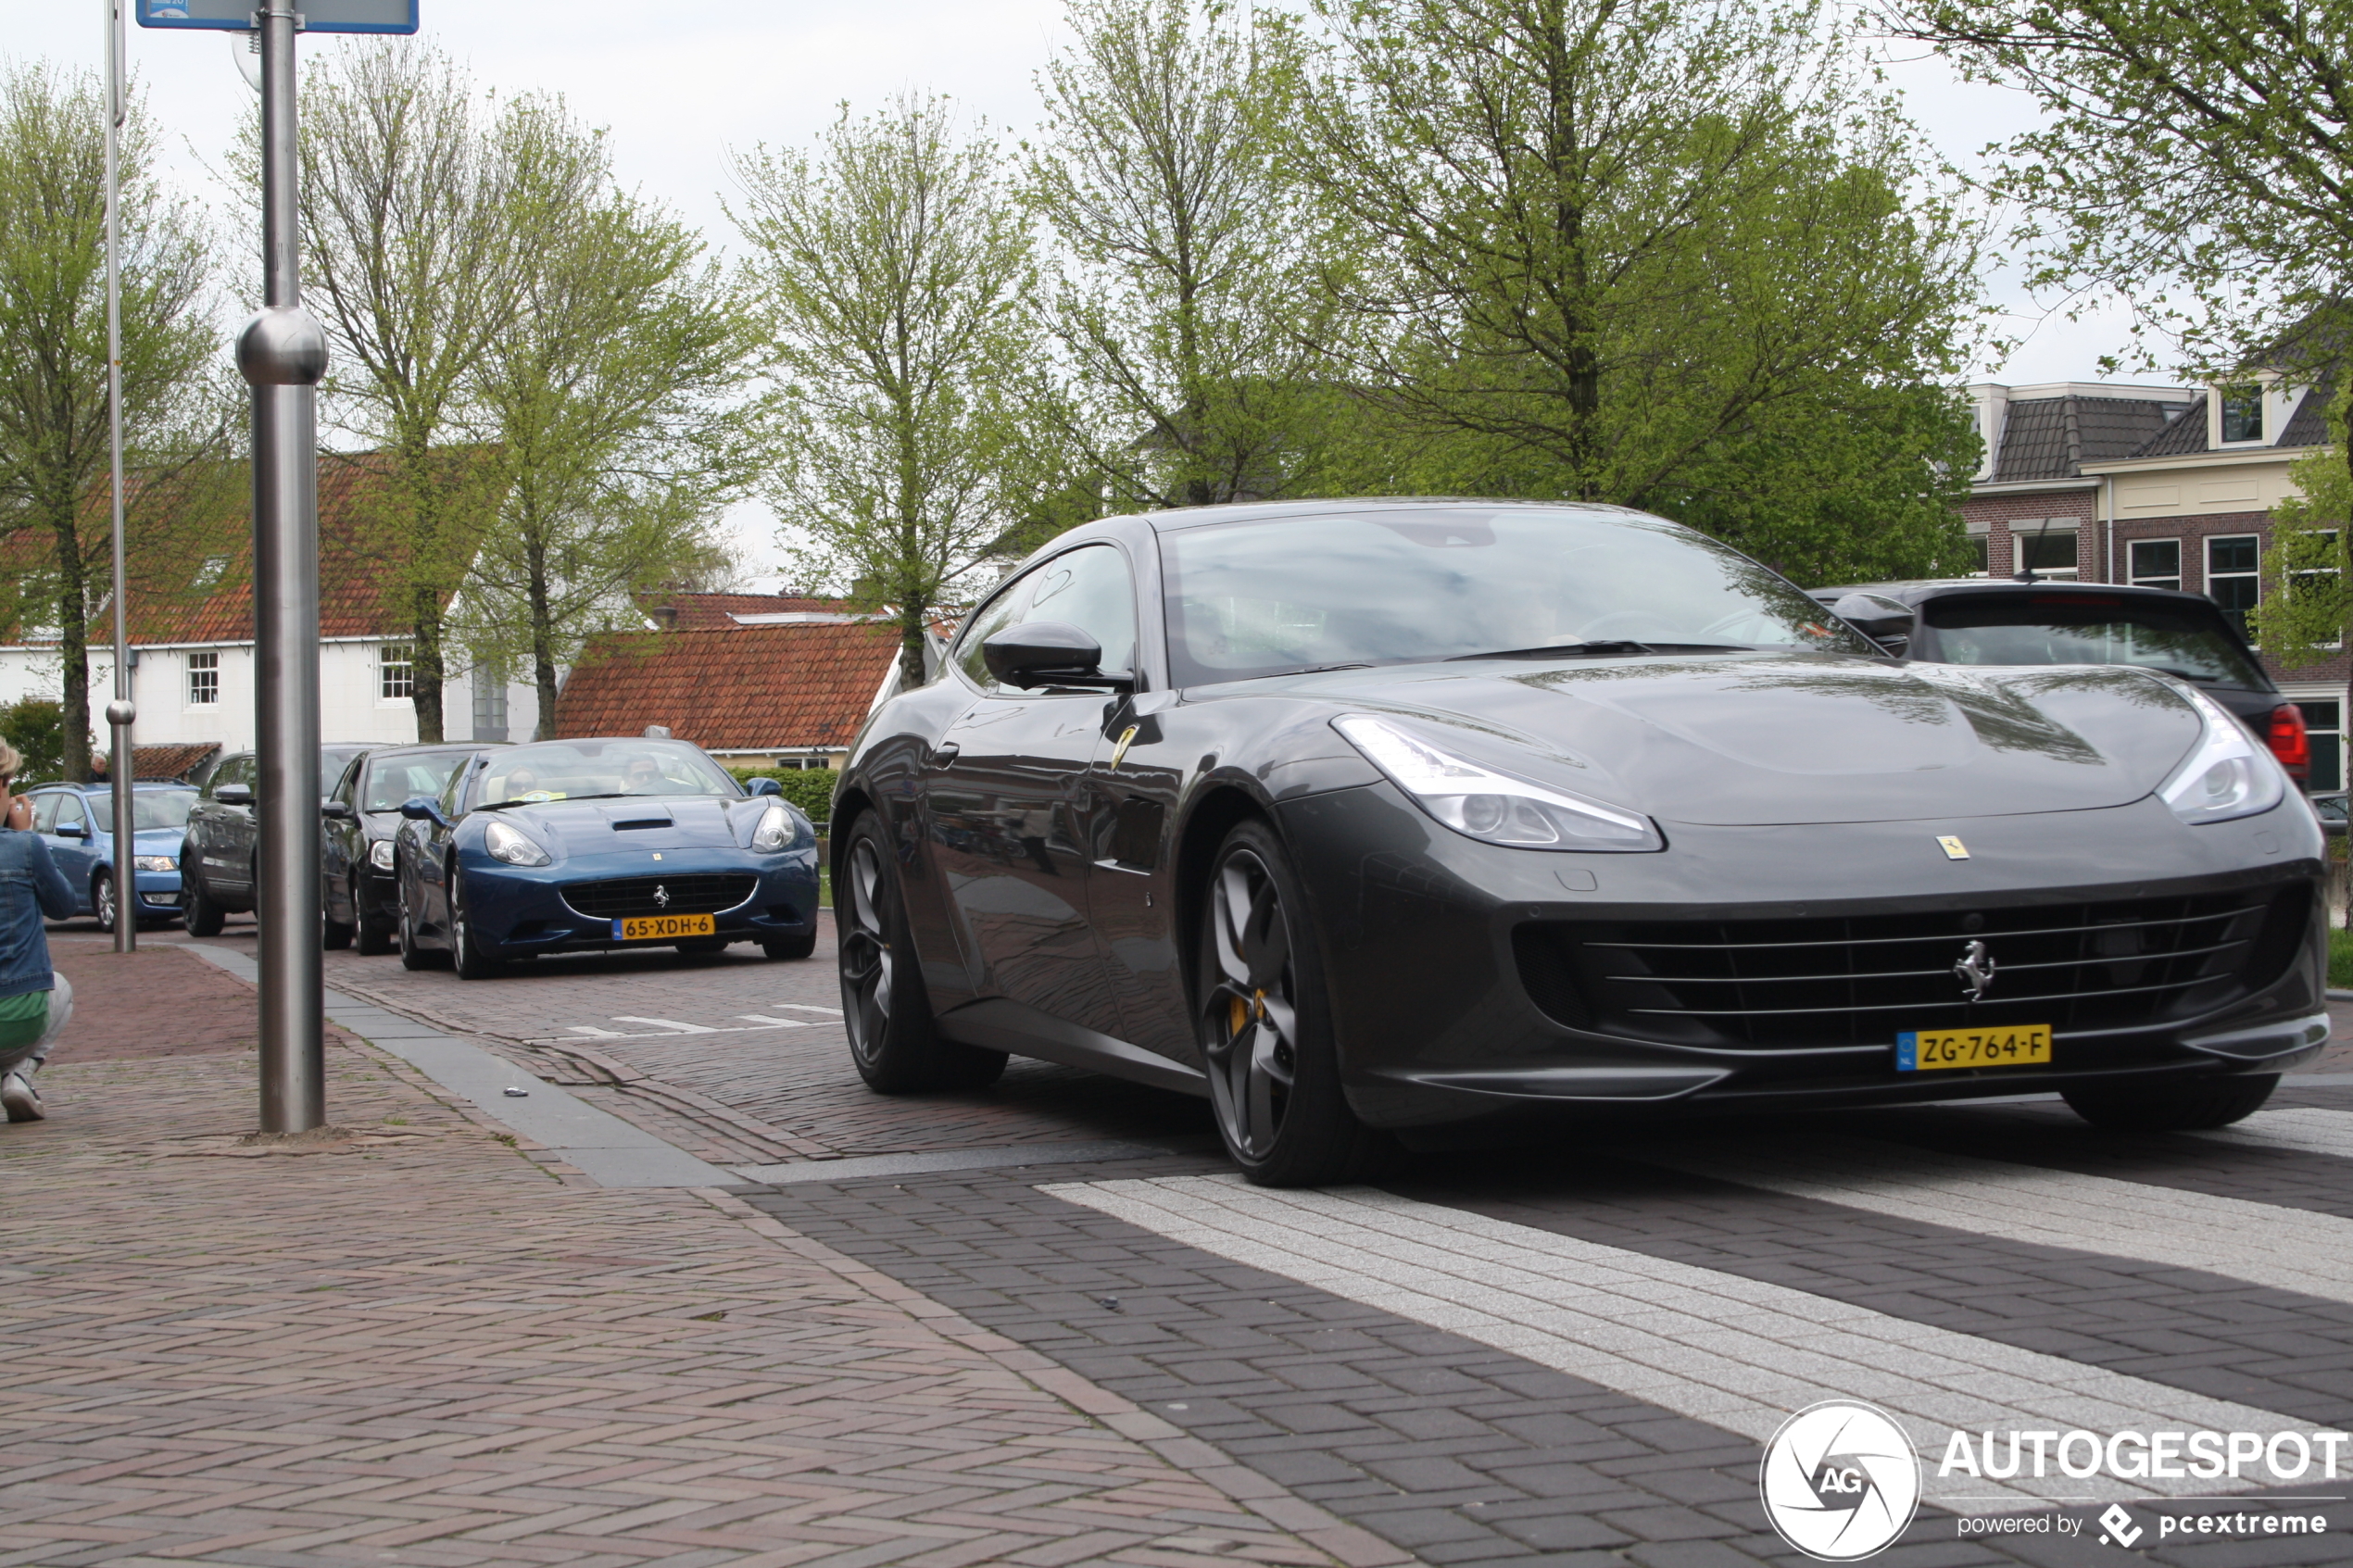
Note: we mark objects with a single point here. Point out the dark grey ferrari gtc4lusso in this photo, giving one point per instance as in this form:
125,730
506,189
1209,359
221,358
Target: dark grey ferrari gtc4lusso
1429,817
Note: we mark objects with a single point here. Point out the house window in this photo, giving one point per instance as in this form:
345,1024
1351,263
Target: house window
2242,413
395,675
490,697
1979,555
204,678
2325,721
2046,550
2233,580
2153,563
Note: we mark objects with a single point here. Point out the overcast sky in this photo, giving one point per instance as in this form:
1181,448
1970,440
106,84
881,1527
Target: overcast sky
680,83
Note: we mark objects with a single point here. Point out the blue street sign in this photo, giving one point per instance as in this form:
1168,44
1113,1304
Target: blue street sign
318,15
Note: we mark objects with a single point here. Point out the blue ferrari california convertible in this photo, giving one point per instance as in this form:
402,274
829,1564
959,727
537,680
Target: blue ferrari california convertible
567,845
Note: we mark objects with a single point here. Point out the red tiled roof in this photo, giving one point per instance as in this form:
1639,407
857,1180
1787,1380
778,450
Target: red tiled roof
747,688
175,762
711,612
189,555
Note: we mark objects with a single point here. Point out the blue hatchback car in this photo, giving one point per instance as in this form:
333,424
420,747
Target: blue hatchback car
78,823
566,845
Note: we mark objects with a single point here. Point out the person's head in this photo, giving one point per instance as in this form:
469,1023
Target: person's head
521,781
643,772
11,764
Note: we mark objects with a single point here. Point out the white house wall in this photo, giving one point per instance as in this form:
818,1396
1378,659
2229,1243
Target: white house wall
350,708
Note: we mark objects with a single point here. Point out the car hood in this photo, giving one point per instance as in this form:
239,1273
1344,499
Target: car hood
602,827
1755,740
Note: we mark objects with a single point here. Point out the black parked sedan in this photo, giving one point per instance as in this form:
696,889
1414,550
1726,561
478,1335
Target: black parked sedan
1434,817
358,889
217,863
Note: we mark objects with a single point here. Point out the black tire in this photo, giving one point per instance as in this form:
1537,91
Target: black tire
469,956
372,938
102,902
334,935
411,955
791,947
885,1011
2176,1107
1264,1022
205,917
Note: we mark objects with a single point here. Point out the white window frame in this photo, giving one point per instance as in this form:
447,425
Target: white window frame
2253,574
201,663
396,668
2174,579
2027,528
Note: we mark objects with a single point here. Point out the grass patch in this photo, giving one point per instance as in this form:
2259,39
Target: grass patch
2341,958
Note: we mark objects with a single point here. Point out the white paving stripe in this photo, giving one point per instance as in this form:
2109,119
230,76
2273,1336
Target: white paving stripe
1737,1353
2261,1243
2309,1131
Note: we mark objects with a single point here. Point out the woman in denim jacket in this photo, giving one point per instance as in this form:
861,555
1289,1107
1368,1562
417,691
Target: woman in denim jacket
35,1001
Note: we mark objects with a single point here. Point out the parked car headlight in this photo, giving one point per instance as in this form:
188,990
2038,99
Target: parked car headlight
379,855
2229,775
509,845
155,863
1478,802
775,828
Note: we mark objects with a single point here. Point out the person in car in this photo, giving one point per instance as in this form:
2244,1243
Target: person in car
35,1001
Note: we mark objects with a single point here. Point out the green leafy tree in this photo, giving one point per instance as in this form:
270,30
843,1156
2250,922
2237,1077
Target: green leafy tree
2306,608
1189,301
53,440
1664,254
895,269
614,405
36,727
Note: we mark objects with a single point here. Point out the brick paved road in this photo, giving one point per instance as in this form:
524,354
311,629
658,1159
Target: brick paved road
1522,1359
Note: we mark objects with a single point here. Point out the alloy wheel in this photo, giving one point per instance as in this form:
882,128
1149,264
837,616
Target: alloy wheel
865,954
1249,1024
103,898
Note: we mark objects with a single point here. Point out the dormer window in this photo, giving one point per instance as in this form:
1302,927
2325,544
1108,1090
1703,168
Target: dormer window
2242,413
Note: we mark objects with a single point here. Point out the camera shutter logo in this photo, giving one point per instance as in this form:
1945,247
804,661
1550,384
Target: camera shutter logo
1840,1481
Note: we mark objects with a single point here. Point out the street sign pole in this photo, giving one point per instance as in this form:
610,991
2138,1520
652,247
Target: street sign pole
121,763
283,352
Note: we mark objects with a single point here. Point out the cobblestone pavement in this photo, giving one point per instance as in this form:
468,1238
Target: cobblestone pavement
409,1342
1562,1356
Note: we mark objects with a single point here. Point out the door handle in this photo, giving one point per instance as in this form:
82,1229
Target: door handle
945,753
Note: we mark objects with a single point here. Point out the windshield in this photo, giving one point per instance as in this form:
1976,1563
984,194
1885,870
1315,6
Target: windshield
1246,599
160,808
2184,640
392,780
333,761
568,769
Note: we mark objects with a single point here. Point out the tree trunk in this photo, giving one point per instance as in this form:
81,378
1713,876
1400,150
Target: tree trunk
910,644
73,638
426,664
542,635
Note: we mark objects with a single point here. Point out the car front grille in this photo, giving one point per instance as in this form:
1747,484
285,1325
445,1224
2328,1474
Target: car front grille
1858,980
694,893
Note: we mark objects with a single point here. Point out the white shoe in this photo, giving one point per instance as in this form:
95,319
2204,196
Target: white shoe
19,1098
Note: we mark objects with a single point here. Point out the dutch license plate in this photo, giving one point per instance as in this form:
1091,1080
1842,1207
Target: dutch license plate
662,928
2020,1045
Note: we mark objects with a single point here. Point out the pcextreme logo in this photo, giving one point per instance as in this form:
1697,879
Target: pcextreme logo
1840,1481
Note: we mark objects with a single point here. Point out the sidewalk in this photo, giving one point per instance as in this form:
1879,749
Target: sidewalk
426,1341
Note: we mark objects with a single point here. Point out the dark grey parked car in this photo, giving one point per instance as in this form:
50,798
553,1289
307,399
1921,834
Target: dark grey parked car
361,885
1434,817
217,860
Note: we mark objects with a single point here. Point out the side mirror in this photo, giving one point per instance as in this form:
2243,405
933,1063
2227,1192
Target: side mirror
336,809
421,808
1049,653
234,795
73,830
1884,620
765,787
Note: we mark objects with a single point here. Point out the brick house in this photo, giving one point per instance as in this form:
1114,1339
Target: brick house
2164,485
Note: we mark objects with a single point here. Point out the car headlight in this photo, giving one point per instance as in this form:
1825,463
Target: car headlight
506,843
775,828
1478,802
379,855
2229,775
155,863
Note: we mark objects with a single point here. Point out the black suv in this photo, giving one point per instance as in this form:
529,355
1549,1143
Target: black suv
361,891
217,858
2008,621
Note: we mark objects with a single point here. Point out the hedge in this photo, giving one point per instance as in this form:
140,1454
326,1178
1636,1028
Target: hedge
812,789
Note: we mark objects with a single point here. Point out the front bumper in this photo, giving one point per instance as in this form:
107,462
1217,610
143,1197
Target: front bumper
1438,1025
516,911
159,894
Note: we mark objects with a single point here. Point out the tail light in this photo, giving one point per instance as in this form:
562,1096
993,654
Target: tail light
2289,742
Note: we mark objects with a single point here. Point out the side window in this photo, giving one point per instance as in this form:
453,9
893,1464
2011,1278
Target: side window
70,813
1090,589
44,811
993,617
454,790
